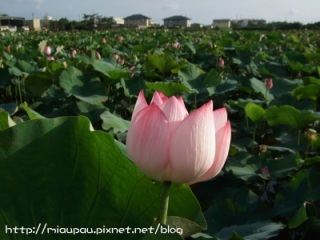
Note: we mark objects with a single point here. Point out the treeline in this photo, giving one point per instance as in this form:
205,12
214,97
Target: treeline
97,22
88,22
280,26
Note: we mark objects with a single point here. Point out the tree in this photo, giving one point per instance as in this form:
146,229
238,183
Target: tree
96,21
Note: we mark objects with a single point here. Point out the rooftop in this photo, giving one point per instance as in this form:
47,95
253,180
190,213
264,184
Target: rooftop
221,20
136,16
177,18
11,18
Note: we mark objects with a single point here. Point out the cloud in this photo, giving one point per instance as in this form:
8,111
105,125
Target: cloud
171,7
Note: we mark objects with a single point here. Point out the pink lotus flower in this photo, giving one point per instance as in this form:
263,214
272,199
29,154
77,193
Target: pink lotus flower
176,45
8,49
265,171
122,61
98,56
50,58
221,62
73,53
120,39
269,83
47,50
168,144
116,56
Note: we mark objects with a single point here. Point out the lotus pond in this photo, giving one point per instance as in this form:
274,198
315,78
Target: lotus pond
64,116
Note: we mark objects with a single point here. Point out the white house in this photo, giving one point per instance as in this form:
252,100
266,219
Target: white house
177,21
137,20
221,23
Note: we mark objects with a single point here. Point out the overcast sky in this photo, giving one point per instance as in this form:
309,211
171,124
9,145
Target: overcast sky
200,11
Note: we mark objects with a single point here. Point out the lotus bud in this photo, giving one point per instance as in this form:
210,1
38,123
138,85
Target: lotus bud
169,144
98,56
116,57
269,83
50,58
311,134
47,50
120,38
8,49
176,45
221,62
74,53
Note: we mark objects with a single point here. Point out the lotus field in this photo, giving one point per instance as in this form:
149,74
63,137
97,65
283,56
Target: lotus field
100,130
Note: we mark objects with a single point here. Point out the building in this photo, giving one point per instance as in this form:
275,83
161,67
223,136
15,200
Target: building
248,22
240,22
34,24
119,21
11,23
257,22
137,20
177,21
196,25
45,22
221,23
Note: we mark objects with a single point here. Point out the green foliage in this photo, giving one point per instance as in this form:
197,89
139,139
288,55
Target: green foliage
288,115
54,169
117,124
164,63
5,121
75,178
168,88
311,91
254,112
87,88
38,83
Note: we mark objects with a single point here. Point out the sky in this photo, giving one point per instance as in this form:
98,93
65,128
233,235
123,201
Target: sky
200,11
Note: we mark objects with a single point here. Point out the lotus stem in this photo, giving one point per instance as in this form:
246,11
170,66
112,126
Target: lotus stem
164,202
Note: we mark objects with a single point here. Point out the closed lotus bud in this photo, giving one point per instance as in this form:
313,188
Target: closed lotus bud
8,49
169,144
47,50
122,61
221,62
176,45
50,58
299,74
103,40
74,53
116,57
265,171
98,56
120,38
269,83
311,134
